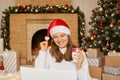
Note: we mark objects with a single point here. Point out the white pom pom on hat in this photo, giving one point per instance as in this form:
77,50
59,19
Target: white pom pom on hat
56,26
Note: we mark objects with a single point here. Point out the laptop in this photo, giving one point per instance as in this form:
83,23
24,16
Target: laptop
27,73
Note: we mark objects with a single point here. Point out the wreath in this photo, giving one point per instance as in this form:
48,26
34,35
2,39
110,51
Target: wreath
29,9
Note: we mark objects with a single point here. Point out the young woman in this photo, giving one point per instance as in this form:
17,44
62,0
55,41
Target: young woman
59,55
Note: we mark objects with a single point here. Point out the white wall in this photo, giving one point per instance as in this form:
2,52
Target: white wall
4,5
85,5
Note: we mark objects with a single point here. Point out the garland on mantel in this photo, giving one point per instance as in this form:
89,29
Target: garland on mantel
29,9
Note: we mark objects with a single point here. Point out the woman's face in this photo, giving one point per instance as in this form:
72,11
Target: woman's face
60,39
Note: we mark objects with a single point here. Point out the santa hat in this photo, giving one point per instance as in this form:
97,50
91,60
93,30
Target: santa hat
56,26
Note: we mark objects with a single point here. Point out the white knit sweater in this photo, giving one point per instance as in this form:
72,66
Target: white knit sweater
46,61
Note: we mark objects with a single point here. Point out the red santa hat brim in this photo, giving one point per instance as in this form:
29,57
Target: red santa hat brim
57,26
57,29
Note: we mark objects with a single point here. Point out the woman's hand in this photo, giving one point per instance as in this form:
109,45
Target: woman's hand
44,45
79,58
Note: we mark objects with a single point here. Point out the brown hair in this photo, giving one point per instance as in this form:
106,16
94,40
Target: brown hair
55,52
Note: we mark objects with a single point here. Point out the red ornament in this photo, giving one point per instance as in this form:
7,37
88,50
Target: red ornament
93,11
107,44
94,33
86,38
117,1
51,10
1,67
101,24
23,8
66,5
89,23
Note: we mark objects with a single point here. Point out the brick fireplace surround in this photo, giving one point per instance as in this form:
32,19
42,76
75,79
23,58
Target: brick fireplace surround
24,26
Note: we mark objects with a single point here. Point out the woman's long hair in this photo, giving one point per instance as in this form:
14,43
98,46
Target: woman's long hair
55,52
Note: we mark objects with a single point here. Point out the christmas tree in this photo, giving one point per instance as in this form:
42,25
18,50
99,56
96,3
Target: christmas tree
105,27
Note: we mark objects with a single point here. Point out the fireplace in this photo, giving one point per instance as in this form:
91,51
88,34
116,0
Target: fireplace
28,30
36,39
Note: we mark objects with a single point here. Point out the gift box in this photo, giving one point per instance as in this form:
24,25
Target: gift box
113,61
112,70
94,61
96,72
2,72
93,52
113,53
110,77
1,60
1,45
11,61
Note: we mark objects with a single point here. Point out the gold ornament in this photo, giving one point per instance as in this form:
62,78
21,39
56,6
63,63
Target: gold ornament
91,37
81,33
111,25
72,11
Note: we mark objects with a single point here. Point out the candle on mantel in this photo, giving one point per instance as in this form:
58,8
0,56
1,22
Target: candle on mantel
1,45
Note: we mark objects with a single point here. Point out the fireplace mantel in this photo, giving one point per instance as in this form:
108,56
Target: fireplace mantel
21,30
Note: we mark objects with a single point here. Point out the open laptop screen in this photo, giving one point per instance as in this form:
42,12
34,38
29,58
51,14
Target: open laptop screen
27,73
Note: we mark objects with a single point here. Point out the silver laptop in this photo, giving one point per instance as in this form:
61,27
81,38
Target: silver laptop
27,73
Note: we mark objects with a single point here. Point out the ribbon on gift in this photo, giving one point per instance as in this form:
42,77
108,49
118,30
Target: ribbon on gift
112,70
94,61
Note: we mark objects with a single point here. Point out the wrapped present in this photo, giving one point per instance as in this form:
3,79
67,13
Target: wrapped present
110,77
1,60
94,61
113,61
93,52
113,53
2,72
112,70
1,45
11,61
96,72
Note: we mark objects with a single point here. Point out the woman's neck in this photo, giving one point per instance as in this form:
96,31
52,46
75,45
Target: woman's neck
63,50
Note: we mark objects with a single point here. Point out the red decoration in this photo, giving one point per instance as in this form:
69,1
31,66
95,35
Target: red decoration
94,33
93,11
51,10
89,23
23,8
86,38
1,67
101,24
107,44
117,1
66,5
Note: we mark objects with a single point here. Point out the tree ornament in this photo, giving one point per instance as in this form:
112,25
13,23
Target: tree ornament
117,1
111,25
90,23
72,11
94,34
107,44
86,38
51,10
36,10
91,37
101,24
1,67
16,10
81,33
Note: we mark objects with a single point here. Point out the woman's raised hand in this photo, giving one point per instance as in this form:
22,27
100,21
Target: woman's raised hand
44,45
79,59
